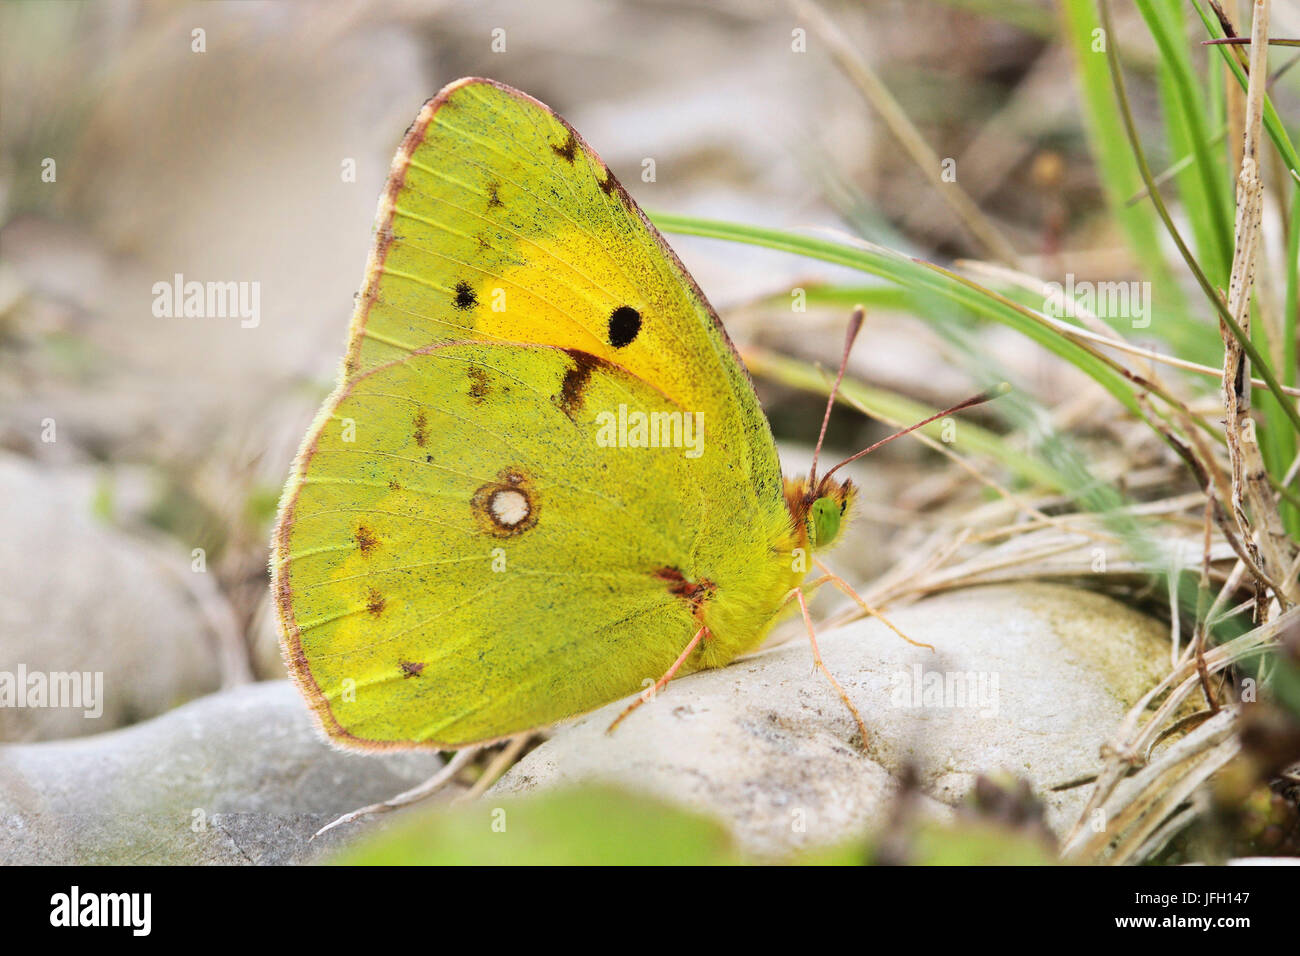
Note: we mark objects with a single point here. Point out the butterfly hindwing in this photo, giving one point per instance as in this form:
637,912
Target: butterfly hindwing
445,569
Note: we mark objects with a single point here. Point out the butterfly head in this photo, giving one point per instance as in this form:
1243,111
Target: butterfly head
821,510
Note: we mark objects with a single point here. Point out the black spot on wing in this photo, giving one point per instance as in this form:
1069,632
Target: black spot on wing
465,297
624,326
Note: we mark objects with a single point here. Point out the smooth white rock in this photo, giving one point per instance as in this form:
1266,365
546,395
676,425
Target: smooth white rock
242,776
767,747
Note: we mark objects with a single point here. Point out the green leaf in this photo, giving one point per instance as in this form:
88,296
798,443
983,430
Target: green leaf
590,826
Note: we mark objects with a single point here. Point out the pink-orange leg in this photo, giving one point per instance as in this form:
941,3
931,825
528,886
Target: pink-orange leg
839,582
648,693
817,657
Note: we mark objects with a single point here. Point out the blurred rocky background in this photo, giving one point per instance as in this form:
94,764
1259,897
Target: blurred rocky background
141,456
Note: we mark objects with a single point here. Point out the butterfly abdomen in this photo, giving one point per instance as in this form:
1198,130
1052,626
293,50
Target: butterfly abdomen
739,598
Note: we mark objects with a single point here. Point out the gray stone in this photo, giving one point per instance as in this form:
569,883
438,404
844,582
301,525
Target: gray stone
242,776
81,596
767,747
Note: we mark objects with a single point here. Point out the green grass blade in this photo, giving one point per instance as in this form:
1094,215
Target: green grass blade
1272,122
1115,167
922,276
1204,186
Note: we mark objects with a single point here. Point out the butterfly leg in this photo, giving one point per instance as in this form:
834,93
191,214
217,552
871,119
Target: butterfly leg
839,582
830,577
807,588
649,693
821,665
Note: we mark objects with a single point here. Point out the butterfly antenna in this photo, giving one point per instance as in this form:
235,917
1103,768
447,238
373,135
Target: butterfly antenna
855,326
971,402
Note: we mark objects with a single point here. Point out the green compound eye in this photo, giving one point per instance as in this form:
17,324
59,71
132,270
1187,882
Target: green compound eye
825,520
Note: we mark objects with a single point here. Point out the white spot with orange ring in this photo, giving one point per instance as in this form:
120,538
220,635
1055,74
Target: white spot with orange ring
509,507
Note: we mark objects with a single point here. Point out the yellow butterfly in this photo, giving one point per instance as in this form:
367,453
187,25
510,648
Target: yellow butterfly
544,479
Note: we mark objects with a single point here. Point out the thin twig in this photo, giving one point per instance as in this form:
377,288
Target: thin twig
1139,728
414,795
1157,201
500,763
909,137
1249,476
